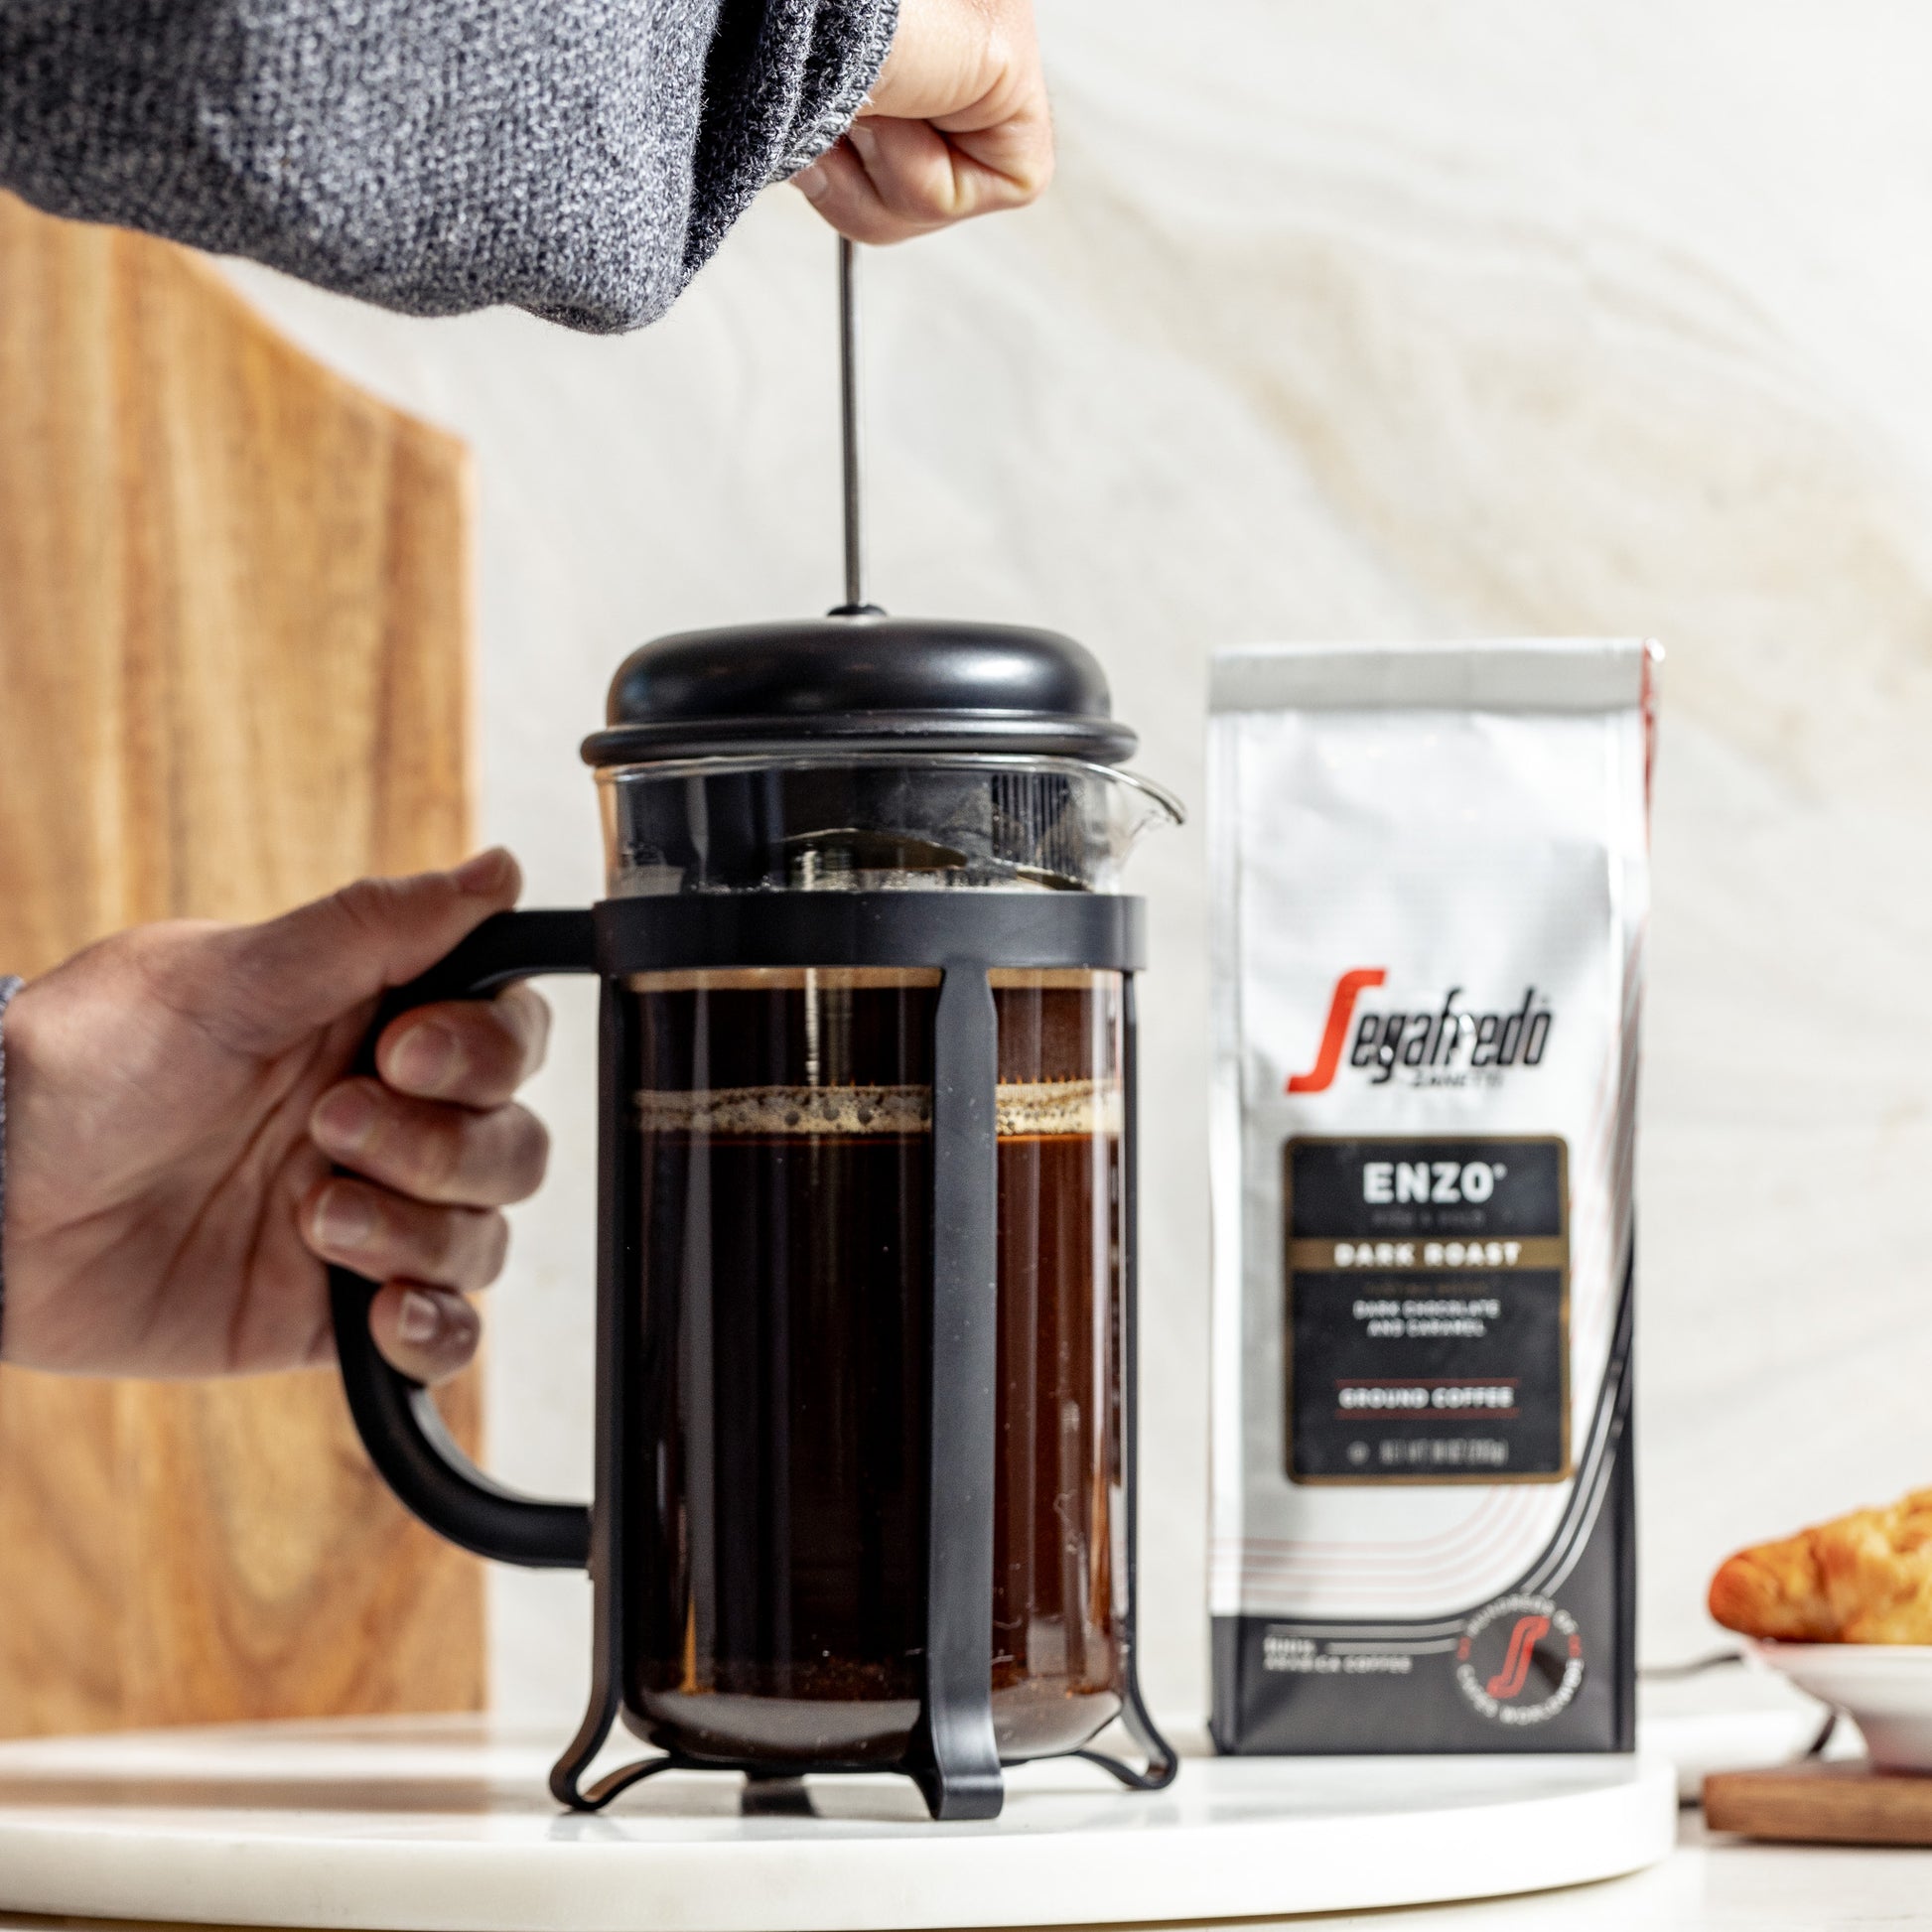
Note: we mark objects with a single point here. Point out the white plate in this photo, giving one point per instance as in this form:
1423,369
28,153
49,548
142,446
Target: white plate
421,1824
1886,1687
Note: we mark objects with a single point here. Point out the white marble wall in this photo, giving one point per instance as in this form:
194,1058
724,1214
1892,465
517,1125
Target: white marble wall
1350,318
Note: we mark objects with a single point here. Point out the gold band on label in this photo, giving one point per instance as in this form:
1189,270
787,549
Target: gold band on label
1432,1254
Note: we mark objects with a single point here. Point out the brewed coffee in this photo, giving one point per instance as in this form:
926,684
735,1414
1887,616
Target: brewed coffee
775,1533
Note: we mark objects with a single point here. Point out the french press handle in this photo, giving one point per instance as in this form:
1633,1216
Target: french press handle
412,1450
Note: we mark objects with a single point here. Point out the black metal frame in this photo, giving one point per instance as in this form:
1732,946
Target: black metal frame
965,936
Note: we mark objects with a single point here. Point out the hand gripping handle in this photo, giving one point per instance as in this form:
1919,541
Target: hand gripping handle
412,1450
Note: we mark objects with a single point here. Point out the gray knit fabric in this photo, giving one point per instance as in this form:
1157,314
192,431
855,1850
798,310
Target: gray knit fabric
578,158
8,988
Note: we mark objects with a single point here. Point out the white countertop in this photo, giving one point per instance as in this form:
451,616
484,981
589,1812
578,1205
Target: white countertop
1706,1885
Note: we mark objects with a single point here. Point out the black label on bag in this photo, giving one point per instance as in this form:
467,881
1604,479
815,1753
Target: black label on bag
1428,1310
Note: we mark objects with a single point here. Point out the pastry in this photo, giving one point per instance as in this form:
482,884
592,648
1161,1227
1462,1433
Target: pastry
1865,1578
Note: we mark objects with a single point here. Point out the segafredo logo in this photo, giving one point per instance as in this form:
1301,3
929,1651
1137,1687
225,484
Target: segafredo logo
1440,1044
1520,1660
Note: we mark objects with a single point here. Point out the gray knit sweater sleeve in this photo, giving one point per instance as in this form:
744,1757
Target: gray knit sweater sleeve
578,158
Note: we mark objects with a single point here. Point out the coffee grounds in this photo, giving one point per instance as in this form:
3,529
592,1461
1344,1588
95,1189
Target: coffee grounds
1026,1110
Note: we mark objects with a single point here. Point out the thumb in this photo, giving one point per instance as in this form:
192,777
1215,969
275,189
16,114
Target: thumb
309,967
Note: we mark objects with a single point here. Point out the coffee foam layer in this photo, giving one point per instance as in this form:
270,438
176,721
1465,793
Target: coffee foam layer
1025,1110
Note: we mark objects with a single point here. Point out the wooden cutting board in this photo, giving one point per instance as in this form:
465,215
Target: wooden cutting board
233,648
1839,1803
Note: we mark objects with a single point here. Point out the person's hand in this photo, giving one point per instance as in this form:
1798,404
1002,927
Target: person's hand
959,125
175,1101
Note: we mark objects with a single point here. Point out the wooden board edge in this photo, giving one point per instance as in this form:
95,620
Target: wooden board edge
1821,1804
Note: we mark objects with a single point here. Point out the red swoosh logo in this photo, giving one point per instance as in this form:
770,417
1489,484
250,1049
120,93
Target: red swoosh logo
1335,1035
1509,1681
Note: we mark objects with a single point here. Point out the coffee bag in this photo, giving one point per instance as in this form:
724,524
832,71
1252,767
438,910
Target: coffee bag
1431,889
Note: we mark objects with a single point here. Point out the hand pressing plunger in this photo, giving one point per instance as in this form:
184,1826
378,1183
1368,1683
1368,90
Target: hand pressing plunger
175,1103
957,125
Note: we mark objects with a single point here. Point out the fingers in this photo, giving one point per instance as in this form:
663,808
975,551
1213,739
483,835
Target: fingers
288,976
385,1237
427,1332
959,125
437,1154
438,1145
889,180
473,1053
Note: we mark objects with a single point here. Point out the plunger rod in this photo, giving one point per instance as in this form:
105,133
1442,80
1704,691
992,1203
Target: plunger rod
851,433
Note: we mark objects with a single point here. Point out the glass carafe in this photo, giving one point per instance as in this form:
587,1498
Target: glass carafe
781,1134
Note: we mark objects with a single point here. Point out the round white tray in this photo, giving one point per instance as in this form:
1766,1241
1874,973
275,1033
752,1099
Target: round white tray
420,1825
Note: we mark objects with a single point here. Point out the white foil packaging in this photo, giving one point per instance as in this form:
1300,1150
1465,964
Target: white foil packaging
1429,896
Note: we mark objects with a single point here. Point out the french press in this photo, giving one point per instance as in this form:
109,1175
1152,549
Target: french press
865,1433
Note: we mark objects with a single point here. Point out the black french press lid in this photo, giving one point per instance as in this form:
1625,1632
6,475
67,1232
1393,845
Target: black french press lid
861,683
857,680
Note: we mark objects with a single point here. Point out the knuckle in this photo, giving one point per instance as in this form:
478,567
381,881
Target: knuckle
462,1248
364,906
916,195
435,1152
527,1015
455,1247
493,1248
500,1065
530,1152
450,1050
912,205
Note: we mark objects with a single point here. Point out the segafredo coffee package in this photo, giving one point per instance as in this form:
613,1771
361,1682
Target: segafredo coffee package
1430,886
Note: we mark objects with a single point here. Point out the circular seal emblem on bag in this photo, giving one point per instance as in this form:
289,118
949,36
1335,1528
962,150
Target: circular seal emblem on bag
1520,1660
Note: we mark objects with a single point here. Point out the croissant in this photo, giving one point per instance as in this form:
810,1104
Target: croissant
1865,1578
